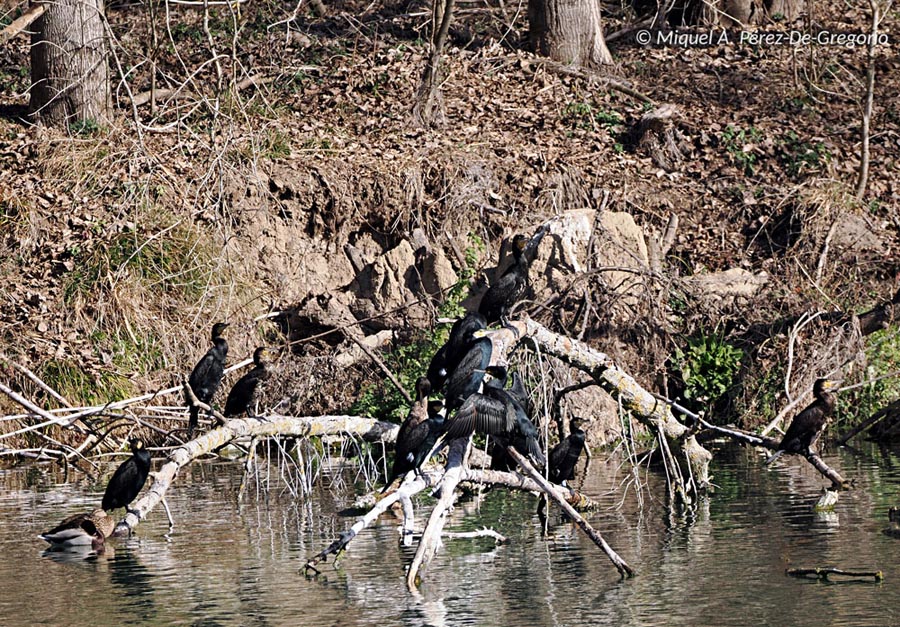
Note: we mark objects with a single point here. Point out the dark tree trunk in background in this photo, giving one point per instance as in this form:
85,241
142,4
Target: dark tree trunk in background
568,31
737,13
69,74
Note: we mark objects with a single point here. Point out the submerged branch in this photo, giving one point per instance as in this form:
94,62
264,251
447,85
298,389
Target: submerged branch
762,441
402,494
822,573
431,537
546,487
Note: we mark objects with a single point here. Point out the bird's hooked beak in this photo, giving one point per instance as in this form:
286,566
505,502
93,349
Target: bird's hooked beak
832,384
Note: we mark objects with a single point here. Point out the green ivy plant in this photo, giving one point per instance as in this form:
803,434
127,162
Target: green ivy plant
708,366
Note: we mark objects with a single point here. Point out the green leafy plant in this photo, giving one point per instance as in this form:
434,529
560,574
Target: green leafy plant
708,365
578,114
883,358
608,119
802,157
84,127
739,144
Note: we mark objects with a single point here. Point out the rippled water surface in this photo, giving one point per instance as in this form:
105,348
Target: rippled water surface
231,563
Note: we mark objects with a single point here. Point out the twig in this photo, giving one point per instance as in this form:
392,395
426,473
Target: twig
484,532
820,267
22,22
35,379
168,514
592,77
380,363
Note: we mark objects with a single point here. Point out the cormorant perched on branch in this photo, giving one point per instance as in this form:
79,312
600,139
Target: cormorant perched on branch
417,434
206,377
564,456
246,392
808,425
507,290
81,530
466,377
448,356
128,479
496,413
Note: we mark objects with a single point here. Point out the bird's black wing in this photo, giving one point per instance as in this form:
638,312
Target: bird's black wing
804,427
503,294
125,484
557,457
520,395
481,414
241,395
207,375
466,378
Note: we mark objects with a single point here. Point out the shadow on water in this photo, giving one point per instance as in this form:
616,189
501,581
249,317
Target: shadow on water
230,563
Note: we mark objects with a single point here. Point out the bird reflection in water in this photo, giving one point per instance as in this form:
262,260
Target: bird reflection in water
79,553
135,583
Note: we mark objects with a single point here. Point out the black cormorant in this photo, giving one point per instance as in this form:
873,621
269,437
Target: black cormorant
81,530
509,288
244,395
448,356
496,413
128,479
207,374
564,456
808,425
418,433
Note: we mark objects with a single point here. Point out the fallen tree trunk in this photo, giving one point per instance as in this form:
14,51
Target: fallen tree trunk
431,537
368,429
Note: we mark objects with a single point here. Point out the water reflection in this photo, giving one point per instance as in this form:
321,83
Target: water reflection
238,563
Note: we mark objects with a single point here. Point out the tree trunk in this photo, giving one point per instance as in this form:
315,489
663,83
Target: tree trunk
568,31
739,13
69,75
428,109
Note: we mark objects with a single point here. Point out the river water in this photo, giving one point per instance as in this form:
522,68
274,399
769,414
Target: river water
239,563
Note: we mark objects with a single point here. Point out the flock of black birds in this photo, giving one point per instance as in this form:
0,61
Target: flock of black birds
476,399
206,377
92,529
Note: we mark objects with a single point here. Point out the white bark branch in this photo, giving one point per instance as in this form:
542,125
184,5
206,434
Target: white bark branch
367,428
